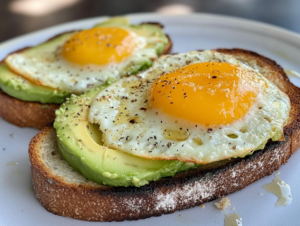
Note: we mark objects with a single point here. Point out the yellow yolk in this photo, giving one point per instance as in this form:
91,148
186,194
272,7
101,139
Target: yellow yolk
210,94
99,46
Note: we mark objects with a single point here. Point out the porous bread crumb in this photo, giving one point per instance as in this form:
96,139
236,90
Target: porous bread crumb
202,205
223,204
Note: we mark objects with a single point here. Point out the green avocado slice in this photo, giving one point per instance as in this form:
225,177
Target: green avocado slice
22,89
80,144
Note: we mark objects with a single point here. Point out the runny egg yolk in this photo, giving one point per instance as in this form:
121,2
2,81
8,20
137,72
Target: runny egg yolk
99,46
209,94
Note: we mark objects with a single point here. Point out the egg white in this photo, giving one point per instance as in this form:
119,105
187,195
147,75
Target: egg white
127,125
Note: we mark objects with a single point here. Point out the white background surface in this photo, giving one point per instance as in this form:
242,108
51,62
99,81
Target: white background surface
18,204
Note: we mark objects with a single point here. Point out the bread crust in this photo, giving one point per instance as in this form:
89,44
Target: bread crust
35,114
94,202
26,114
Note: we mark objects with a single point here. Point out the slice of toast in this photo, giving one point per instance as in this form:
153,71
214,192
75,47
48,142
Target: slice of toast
63,191
35,114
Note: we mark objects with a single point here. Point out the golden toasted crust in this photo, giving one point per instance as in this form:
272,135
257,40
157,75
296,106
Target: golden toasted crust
35,114
94,202
26,114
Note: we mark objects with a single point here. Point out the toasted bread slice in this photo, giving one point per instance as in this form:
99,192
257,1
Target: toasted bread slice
63,191
35,114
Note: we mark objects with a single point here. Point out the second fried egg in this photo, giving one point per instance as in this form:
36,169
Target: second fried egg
77,61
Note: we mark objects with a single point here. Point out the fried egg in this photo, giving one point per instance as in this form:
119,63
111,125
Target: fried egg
200,107
81,60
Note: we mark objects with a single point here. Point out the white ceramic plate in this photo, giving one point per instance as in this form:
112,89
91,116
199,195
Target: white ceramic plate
18,204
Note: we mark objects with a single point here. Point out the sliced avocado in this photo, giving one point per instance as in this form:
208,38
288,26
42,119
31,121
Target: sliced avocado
81,146
22,89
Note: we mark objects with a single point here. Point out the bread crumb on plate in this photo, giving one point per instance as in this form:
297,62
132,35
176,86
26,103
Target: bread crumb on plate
223,203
